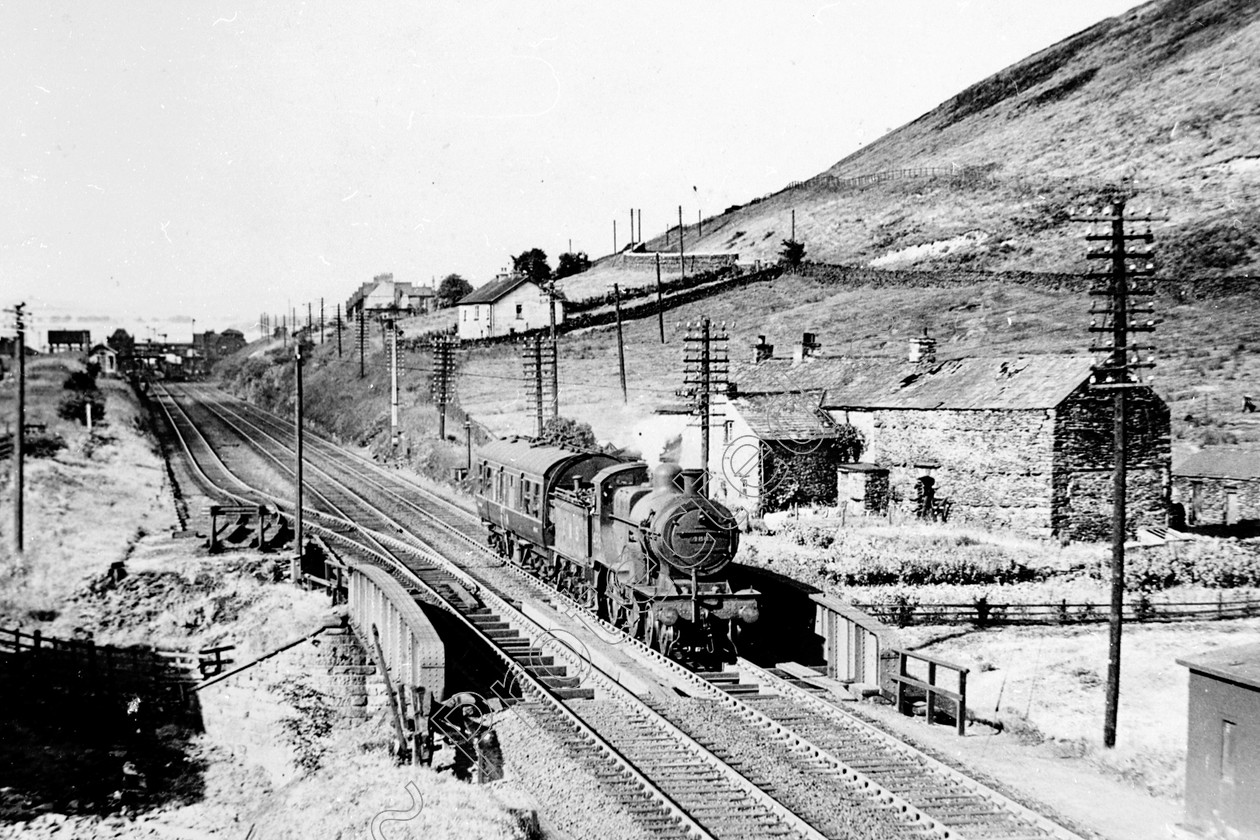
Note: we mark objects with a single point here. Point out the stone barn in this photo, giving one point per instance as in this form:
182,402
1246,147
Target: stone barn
1019,443
1218,486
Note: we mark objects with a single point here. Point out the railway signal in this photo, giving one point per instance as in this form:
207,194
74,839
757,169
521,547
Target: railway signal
1117,319
295,565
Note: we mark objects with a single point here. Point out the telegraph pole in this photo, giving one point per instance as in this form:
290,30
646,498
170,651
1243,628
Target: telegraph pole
614,250
392,329
555,357
621,344
1118,373
19,435
308,318
706,369
295,569
440,387
660,299
321,320
362,342
533,358
682,246
339,326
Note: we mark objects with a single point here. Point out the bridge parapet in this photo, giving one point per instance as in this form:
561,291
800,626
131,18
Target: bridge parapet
413,651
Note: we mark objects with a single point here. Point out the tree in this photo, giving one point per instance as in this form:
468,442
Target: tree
121,342
793,253
571,264
452,289
533,264
563,431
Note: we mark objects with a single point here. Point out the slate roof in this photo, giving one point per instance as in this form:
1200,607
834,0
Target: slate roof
786,416
1239,664
494,290
1011,383
1222,462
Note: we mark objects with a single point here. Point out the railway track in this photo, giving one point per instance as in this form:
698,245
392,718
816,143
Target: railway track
670,783
892,788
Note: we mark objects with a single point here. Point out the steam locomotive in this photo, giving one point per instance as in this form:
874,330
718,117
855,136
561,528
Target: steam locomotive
644,549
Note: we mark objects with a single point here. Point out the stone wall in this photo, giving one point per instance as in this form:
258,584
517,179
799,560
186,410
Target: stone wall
1083,457
644,261
244,711
994,466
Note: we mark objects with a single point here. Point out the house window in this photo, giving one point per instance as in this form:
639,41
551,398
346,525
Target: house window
1227,751
477,313
520,309
728,431
465,316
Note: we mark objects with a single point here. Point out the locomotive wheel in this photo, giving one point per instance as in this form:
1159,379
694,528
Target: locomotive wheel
619,603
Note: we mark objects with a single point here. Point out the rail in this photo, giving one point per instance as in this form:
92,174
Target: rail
906,682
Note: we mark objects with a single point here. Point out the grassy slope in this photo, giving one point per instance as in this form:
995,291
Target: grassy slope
1164,95
1205,356
86,506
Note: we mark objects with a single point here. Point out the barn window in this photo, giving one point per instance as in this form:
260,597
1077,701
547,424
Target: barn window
1227,751
520,310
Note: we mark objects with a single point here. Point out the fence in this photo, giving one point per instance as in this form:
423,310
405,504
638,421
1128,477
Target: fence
909,685
104,669
981,613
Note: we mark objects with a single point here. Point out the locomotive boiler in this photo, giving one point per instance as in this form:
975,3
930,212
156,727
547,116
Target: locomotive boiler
644,549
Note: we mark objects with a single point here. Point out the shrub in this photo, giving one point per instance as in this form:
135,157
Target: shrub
1220,564
73,406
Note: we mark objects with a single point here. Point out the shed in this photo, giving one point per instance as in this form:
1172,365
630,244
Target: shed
1223,742
511,303
1218,486
105,358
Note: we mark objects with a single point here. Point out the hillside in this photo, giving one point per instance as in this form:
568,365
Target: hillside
1161,102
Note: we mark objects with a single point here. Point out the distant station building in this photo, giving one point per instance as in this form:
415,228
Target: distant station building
385,294
69,341
1223,743
511,303
1218,486
1020,443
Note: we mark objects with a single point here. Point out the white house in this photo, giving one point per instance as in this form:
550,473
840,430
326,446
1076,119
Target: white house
508,304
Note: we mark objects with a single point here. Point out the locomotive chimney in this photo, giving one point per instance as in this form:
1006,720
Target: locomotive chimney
762,351
923,349
690,481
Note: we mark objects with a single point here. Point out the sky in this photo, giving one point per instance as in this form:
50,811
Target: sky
164,162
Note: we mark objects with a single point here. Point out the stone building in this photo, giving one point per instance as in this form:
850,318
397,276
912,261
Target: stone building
1218,486
385,294
1019,443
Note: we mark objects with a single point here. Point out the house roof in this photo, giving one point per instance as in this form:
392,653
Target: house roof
97,348
1220,462
1240,664
1011,383
786,416
494,290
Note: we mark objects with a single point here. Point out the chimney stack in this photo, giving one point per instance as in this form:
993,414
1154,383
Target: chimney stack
808,347
923,349
762,351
